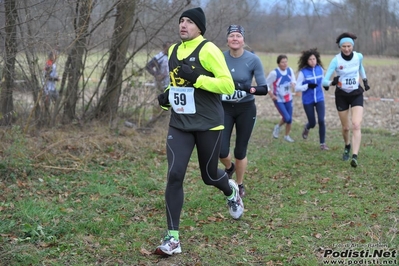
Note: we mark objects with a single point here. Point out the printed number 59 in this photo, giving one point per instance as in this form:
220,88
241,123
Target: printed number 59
180,99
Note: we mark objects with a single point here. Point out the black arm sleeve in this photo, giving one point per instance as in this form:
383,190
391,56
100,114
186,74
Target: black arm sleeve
259,90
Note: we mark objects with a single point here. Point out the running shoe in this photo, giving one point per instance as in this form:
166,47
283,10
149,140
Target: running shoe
305,132
231,171
236,205
276,131
324,147
345,156
169,246
241,189
354,162
288,138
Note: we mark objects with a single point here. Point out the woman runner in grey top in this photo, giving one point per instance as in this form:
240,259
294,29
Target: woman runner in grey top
239,108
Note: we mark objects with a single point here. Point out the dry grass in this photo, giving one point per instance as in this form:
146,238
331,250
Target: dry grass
72,148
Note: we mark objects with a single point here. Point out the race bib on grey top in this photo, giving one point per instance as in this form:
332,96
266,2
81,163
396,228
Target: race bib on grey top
237,96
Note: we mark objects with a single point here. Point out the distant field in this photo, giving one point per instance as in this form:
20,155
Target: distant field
269,60
382,73
96,62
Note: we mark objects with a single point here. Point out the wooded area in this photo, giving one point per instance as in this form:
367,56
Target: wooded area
105,45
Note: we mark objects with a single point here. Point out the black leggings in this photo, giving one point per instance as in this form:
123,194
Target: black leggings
243,115
179,147
310,114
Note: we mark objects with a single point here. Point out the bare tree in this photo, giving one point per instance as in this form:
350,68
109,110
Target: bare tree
123,27
32,75
385,30
74,64
6,97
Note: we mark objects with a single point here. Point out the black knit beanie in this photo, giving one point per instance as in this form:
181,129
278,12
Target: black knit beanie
197,16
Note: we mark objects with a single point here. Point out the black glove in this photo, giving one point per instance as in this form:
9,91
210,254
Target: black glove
366,85
163,98
326,87
312,85
186,72
335,81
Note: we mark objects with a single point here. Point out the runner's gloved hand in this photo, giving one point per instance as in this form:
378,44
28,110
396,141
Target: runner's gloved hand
312,85
335,81
366,85
326,87
163,100
185,71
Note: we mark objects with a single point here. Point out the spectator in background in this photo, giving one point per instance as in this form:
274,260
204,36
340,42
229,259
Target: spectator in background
50,77
309,82
239,108
282,81
159,69
348,68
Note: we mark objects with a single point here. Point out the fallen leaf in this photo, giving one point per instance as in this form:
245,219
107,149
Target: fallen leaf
324,180
317,235
145,252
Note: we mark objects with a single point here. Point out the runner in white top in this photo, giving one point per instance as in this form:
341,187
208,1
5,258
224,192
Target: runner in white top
348,68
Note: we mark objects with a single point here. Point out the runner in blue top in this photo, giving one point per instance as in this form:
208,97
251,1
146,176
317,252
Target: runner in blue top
309,82
349,69
239,108
282,81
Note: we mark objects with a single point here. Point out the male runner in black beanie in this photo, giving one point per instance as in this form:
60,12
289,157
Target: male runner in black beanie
198,76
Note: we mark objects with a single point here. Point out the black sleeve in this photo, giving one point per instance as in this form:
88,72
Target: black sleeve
259,90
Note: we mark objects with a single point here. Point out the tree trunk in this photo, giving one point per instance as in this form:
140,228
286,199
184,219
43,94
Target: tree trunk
109,100
74,63
33,76
6,100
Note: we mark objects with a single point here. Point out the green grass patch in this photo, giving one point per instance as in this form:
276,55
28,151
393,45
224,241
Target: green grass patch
300,202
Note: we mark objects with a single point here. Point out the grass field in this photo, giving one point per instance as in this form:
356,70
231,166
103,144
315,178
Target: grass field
269,60
96,198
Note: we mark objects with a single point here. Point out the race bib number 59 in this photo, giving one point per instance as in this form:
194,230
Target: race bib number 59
182,100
